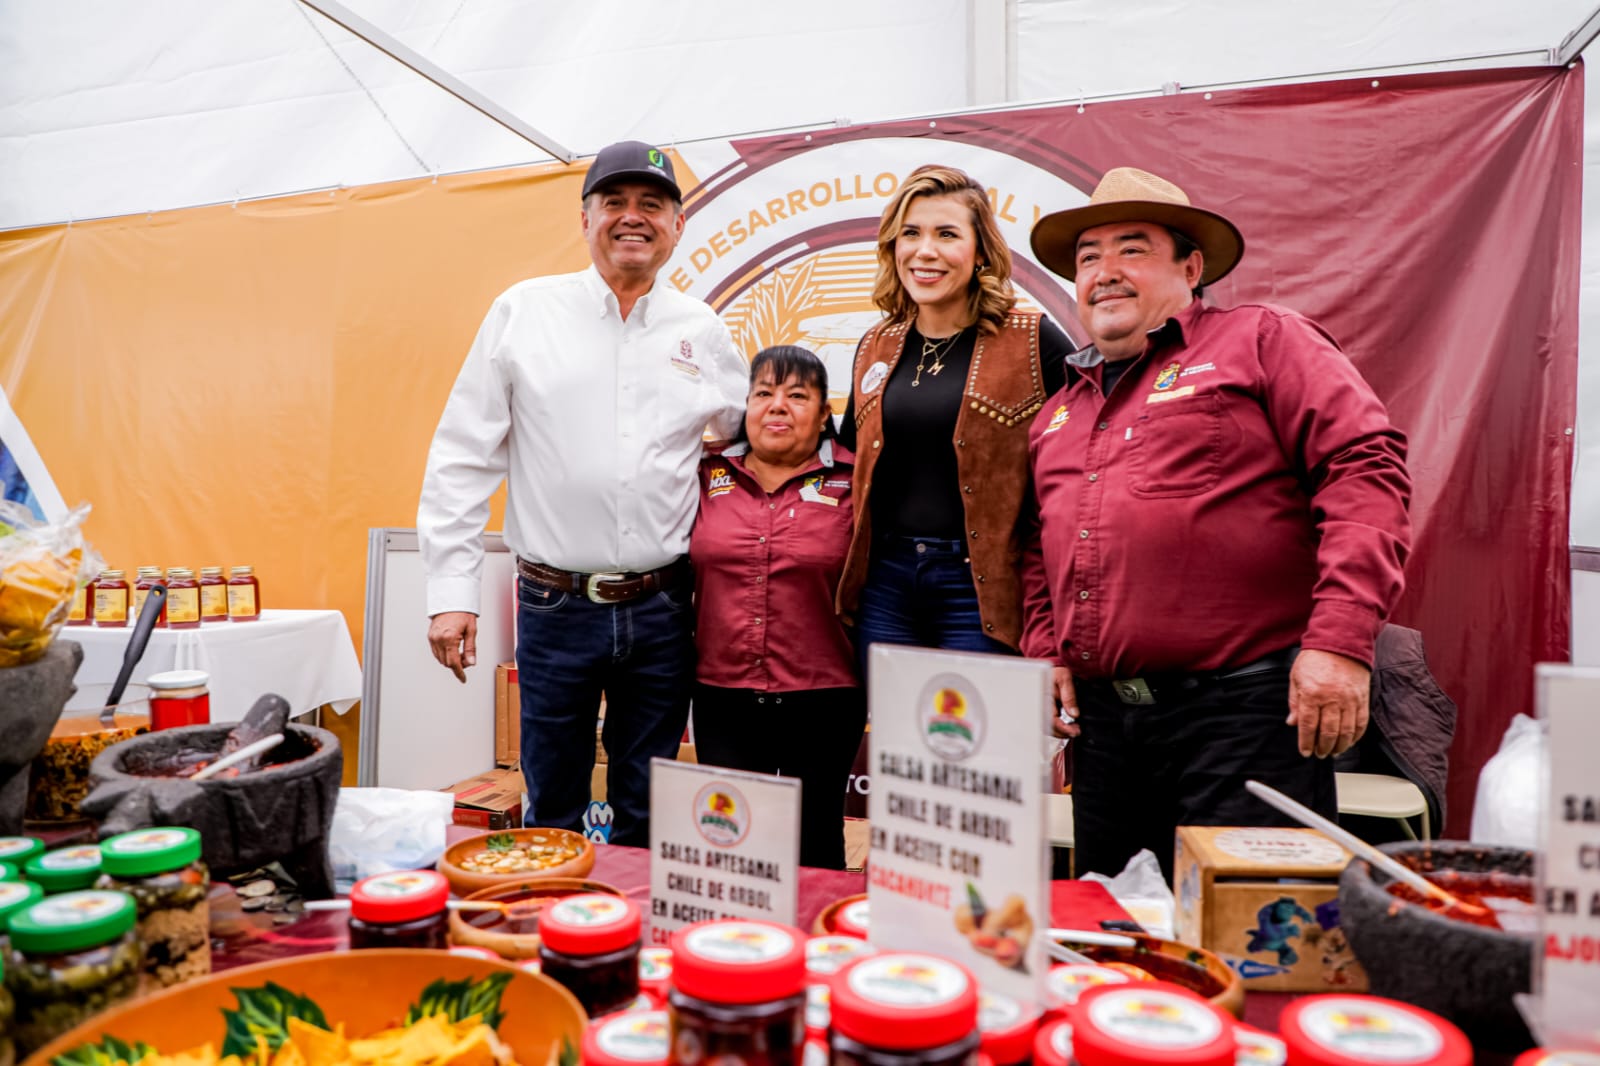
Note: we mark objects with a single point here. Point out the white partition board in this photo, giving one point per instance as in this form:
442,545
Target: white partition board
420,727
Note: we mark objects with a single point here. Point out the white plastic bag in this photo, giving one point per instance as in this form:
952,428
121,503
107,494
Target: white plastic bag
376,830
1511,787
1143,893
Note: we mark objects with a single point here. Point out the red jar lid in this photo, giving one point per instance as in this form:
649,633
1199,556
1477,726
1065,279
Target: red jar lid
738,961
1005,1028
1256,1048
853,920
1340,1030
1068,980
635,1038
399,897
904,1002
1541,1056
1052,1045
816,1052
1150,1024
655,970
590,924
829,954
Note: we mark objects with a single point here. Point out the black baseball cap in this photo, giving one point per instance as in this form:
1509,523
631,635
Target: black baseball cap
635,160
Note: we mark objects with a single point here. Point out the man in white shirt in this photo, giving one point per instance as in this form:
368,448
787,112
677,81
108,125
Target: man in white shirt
589,394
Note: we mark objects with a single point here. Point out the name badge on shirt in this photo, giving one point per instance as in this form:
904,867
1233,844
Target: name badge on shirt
1161,397
874,377
684,360
811,492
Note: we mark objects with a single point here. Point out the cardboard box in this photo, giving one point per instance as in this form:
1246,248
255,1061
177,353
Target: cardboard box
1266,900
491,800
507,716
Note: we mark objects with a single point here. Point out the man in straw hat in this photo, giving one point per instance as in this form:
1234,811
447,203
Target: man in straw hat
1223,527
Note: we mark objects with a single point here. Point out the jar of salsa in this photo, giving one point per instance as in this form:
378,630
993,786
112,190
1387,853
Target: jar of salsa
110,599
853,920
66,869
827,955
904,1009
74,955
1067,981
406,909
147,578
244,595
638,1038
590,944
1540,1056
1341,1030
1256,1048
179,697
1149,1024
655,973
78,615
737,991
14,897
18,850
1005,1028
1052,1045
162,870
213,595
183,598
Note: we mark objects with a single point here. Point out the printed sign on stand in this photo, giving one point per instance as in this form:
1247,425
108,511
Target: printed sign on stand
723,844
960,863
1567,979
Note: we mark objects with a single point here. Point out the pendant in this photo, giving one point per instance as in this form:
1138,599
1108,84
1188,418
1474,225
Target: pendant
917,382
933,371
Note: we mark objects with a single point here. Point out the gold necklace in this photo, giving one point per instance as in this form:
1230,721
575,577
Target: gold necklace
938,350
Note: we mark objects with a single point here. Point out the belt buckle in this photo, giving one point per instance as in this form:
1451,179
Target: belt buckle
1134,691
591,587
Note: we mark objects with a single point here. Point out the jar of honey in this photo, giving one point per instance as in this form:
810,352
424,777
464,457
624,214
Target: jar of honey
183,598
213,595
244,595
179,697
79,614
148,578
904,1009
738,991
111,599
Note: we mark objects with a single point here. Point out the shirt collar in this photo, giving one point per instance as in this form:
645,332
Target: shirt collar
739,449
1174,330
606,300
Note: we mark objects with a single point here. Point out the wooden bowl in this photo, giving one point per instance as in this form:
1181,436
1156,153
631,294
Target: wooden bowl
466,882
1196,969
368,991
489,929
825,923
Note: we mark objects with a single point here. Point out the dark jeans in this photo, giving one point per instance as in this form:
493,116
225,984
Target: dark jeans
1140,772
569,651
811,735
919,591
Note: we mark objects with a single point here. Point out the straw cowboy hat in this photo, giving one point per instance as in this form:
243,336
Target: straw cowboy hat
1129,195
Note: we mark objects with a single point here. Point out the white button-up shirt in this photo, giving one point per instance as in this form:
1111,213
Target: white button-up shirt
594,422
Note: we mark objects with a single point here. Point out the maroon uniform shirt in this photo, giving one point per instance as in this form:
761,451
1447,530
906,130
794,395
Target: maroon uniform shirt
766,567
1240,491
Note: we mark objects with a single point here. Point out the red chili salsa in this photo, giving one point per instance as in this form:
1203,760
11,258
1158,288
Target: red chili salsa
1488,894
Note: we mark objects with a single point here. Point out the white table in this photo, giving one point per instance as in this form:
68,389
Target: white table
307,657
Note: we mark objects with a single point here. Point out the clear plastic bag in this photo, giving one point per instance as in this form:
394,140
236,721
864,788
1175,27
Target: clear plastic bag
1510,797
42,564
376,830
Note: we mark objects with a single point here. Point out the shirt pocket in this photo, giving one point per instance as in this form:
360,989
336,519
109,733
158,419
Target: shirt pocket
1177,450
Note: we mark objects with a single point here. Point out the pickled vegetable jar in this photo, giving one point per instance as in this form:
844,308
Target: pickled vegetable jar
738,992
18,850
904,1009
8,1012
15,896
590,944
161,869
74,955
65,869
400,910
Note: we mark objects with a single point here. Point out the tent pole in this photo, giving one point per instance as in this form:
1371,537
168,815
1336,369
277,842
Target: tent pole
1575,42
451,84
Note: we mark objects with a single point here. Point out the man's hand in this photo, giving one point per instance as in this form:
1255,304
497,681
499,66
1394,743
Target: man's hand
1063,724
1328,701
453,636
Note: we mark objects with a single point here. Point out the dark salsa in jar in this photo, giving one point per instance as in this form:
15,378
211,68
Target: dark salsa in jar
73,956
590,945
904,1009
400,910
738,993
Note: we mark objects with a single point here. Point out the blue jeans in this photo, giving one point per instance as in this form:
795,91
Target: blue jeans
919,591
569,651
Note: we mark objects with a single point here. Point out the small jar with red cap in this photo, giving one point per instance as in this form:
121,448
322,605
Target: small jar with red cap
1067,981
406,909
1005,1028
853,920
1350,1030
590,944
738,992
903,1009
1255,1048
638,1038
827,955
1149,1024
655,973
1052,1044
1542,1056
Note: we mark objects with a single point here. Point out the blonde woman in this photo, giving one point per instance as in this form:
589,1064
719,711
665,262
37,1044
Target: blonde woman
943,392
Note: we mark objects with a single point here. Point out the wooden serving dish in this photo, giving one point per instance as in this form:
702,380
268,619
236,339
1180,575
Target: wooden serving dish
465,882
1196,969
518,939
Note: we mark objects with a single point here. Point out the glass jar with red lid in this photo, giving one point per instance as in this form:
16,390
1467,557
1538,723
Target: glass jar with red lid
590,944
637,1038
1256,1048
655,973
178,698
1005,1028
400,910
1052,1045
827,955
1542,1056
1067,981
904,1009
854,920
1350,1030
738,989
1154,1023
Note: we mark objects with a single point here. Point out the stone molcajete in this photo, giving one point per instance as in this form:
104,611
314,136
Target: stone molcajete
281,810
31,699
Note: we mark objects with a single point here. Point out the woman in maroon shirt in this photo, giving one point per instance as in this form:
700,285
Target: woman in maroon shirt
776,688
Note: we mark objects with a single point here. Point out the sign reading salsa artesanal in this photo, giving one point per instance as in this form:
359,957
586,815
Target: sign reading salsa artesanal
960,864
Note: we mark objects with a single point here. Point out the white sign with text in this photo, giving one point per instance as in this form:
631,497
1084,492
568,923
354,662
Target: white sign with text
960,861
723,844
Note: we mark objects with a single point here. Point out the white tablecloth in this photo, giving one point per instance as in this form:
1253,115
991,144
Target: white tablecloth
306,657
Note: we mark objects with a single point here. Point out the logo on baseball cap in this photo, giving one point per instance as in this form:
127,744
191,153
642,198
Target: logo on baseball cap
631,161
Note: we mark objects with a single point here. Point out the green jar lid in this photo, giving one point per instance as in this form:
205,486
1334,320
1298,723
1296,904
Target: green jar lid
19,850
73,921
9,872
15,895
65,869
149,851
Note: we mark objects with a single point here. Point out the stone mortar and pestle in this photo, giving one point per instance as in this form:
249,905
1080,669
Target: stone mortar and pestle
32,696
274,807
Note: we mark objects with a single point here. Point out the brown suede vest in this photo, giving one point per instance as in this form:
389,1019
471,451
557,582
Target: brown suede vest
1005,389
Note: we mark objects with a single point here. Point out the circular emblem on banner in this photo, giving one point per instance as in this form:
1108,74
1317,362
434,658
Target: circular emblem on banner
874,377
951,716
721,814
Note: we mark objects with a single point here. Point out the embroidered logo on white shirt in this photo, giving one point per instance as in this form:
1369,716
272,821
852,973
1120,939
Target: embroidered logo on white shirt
684,360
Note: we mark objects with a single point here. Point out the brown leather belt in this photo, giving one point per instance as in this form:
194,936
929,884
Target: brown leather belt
606,587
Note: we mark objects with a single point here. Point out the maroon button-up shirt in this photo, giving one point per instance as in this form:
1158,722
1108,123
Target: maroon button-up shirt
1240,491
765,569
